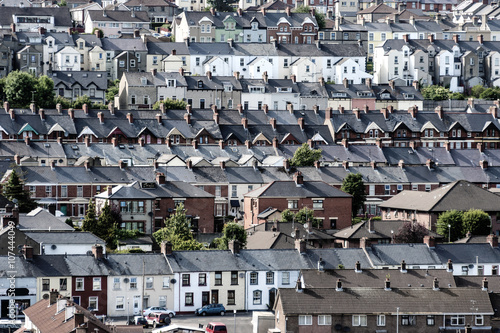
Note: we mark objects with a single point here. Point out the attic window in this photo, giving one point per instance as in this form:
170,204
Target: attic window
200,84
85,75
228,88
144,81
409,96
385,95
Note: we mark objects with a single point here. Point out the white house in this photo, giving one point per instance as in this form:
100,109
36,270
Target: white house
349,69
67,59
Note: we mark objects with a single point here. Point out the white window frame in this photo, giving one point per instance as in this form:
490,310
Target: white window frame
381,320
359,320
305,320
324,320
96,283
82,281
120,303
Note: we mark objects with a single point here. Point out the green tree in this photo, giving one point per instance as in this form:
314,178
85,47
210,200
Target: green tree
69,222
354,185
15,192
177,231
221,5
19,87
476,91
436,93
305,156
89,222
490,93
113,90
80,100
44,95
411,232
231,231
107,225
287,215
457,96
476,221
65,103
454,219
171,104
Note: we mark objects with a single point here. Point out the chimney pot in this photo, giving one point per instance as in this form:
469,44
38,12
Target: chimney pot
166,248
97,251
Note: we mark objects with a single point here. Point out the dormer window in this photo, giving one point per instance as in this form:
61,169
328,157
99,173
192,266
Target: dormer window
254,26
228,88
144,81
51,43
171,83
200,84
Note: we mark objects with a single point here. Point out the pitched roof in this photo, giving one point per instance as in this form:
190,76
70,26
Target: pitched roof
41,219
378,9
62,16
118,16
289,189
459,195
62,237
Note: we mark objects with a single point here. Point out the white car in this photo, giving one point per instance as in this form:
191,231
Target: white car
147,311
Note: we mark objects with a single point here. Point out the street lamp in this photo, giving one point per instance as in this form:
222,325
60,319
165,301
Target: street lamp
449,233
128,313
234,320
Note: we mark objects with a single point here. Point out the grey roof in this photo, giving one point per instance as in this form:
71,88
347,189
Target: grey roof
82,78
62,17
61,237
467,253
123,44
41,219
125,192
393,254
165,48
289,189
90,39
61,38
178,190
206,261
118,16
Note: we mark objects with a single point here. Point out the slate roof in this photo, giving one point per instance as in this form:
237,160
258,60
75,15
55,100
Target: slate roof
460,195
122,44
41,219
82,78
377,300
62,16
125,192
467,253
375,278
178,189
61,237
289,189
118,16
412,254
206,261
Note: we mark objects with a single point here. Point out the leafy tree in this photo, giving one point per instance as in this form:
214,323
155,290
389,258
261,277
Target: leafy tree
411,232
354,185
177,231
14,191
107,225
436,93
69,222
477,90
44,95
113,90
65,103
63,3
287,215
171,104
89,222
305,156
231,231
221,5
80,100
19,87
490,93
457,96
476,221
454,219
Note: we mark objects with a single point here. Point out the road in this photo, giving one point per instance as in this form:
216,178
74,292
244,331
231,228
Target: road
243,321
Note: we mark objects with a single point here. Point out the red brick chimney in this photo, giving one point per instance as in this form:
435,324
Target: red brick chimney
356,113
301,123
300,245
289,107
272,121
341,109
100,116
189,164
166,248
265,107
86,140
439,111
216,118
221,144
130,118
275,142
298,178
286,164
85,108
142,142
239,107
385,112
160,178
234,246
345,143
41,112
189,109
187,117
493,240
494,111
413,112
430,241
480,147
455,39
97,251
28,252
158,118
195,144
248,144
244,122
328,114
222,165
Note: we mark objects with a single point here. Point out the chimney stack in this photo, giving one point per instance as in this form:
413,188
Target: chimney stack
403,267
449,266
301,123
216,118
28,252
234,246
189,164
244,122
401,164
142,142
85,108
236,75
357,267
387,285
346,83
286,164
86,140
33,107
480,147
413,112
53,296
100,116
158,118
430,241
371,228
385,112
483,164
339,285
484,284
71,113
160,178
111,108
494,111
187,117
275,142
130,118
493,240
109,190
298,178
114,142
435,284
166,248
248,144
300,245
41,112
455,39
97,251
222,165
439,111
356,113
265,107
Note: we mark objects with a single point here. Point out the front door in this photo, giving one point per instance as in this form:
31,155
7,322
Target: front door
205,298
215,296
137,298
272,297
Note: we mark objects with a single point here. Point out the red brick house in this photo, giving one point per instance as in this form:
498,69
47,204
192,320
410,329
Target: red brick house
330,205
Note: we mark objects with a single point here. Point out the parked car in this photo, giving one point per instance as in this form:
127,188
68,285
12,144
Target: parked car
216,327
140,320
211,309
158,309
156,319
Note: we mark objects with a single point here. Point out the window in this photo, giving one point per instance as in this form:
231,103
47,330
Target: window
285,278
63,284
430,320
116,283
234,191
188,299
79,284
332,35
254,277
96,283
186,280
382,36
293,204
217,190
149,282
427,187
257,297
166,282
79,191
218,279
458,320
387,189
234,278
305,320
494,270
285,63
120,303
162,301
231,297
133,283
370,36
407,320
317,204
381,320
359,320
93,303
48,190
46,284
270,278
324,320
479,320
202,279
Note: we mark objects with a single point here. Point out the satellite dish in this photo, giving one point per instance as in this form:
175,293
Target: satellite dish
126,280
306,225
46,296
53,247
15,200
173,281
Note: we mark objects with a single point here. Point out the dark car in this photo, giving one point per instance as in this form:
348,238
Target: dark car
211,309
156,319
140,321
